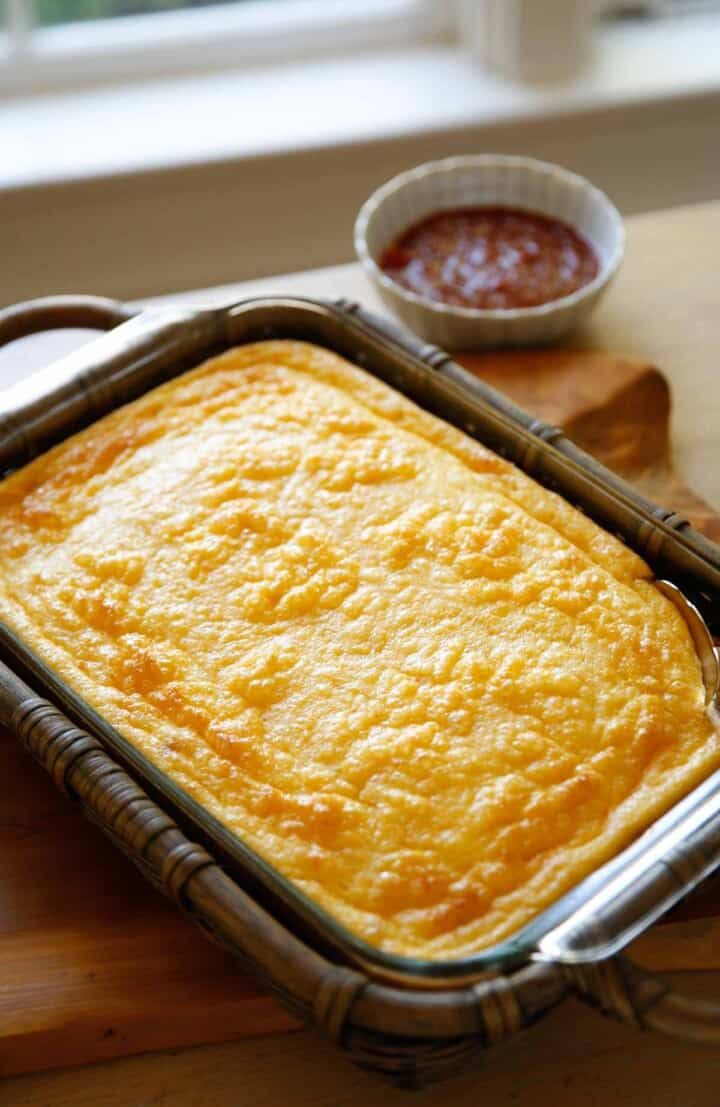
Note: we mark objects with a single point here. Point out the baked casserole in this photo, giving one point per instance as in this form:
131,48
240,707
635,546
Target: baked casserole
428,691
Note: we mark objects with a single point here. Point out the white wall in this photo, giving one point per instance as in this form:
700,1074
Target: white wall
164,231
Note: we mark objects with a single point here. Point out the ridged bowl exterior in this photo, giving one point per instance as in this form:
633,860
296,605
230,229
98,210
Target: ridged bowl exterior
489,179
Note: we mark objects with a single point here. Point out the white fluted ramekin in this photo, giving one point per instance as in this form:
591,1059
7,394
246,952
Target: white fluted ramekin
494,180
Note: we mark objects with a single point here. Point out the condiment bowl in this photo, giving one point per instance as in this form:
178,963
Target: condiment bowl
493,180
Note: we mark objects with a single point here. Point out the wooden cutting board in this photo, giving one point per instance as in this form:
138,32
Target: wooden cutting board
94,963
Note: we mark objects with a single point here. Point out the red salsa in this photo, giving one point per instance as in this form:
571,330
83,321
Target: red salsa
490,257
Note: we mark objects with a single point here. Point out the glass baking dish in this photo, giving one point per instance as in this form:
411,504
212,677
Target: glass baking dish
587,926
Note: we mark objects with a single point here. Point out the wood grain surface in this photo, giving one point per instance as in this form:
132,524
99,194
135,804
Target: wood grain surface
94,964
573,1058
617,408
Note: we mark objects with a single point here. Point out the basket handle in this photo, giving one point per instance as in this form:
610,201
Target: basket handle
53,312
622,989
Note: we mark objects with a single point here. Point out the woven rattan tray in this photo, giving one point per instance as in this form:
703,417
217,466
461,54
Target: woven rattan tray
416,1027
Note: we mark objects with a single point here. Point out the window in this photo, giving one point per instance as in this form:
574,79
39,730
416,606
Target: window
46,43
53,12
54,43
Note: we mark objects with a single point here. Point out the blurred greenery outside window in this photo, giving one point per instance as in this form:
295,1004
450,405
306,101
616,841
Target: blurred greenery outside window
51,12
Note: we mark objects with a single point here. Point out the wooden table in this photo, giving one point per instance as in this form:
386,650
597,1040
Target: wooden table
665,306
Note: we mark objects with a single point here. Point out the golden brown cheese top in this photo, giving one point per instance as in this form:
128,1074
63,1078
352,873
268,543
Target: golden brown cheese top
427,690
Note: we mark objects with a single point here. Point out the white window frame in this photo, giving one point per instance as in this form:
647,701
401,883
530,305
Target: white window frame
257,31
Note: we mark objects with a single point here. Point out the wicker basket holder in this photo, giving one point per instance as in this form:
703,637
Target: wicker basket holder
410,1034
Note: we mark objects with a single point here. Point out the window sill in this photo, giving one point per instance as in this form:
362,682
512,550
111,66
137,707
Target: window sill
155,188
344,101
